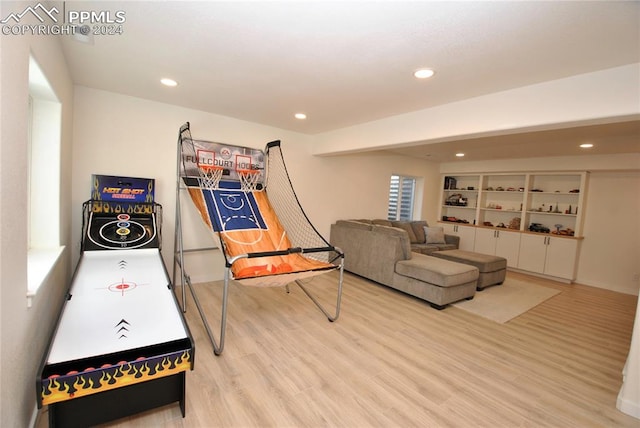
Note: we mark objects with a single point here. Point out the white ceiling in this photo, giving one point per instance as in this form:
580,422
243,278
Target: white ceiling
349,62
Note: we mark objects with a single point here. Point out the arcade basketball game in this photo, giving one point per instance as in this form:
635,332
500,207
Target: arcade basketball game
121,344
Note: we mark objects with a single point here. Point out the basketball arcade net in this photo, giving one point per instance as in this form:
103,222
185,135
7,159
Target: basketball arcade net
235,195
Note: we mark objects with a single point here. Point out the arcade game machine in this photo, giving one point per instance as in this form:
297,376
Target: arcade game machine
121,344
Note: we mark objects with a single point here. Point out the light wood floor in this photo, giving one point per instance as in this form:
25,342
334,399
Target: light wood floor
393,361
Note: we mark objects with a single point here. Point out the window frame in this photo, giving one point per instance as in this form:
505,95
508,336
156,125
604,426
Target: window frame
44,144
402,197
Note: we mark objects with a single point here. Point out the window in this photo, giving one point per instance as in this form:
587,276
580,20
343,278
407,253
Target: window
43,204
401,198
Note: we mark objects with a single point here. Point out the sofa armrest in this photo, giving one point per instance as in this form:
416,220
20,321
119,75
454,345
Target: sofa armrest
453,240
370,251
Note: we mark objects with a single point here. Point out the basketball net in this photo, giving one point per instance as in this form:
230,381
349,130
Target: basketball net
248,179
209,176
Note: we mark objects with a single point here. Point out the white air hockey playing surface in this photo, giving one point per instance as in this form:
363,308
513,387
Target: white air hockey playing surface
120,300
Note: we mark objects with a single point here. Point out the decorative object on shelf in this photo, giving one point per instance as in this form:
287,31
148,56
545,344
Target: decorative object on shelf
500,189
574,191
564,232
538,227
557,226
487,223
515,223
537,190
502,225
454,219
450,183
456,200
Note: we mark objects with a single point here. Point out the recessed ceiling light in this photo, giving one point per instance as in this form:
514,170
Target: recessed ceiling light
586,145
168,82
424,73
300,116
460,155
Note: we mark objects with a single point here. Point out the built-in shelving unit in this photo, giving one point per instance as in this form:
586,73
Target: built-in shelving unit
460,198
492,212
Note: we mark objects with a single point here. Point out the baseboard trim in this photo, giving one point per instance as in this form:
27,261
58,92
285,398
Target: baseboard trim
34,416
628,407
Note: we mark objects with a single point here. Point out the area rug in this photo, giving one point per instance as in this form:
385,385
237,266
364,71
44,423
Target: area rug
504,302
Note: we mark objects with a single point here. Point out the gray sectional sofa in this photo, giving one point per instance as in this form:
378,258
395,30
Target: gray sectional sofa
385,254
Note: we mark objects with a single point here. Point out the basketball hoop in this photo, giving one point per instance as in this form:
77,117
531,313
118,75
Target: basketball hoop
210,176
248,179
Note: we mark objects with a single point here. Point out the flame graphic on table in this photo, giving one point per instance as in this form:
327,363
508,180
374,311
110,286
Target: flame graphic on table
91,381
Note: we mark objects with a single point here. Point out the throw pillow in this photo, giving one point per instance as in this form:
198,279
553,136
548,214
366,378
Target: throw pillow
435,235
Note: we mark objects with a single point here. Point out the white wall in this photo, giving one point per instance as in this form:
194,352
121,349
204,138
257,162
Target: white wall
610,256
25,331
610,251
120,135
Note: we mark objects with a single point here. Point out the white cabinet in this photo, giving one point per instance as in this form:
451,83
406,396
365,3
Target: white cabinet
498,242
549,255
467,234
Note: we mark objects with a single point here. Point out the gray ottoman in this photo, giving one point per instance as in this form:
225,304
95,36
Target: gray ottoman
493,269
437,281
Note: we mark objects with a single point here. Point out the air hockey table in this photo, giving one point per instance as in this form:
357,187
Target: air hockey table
121,345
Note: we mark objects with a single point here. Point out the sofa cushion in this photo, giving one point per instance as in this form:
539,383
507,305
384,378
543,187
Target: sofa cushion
445,247
382,222
434,235
406,226
424,248
442,273
430,248
418,229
